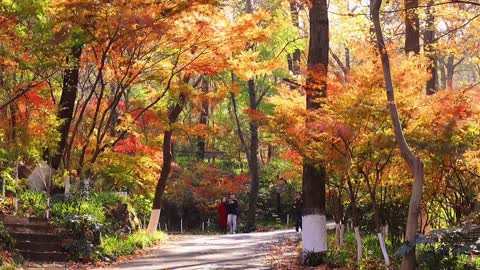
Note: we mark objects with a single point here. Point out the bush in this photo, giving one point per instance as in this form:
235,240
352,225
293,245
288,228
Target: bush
115,246
81,234
446,249
142,205
346,255
64,206
32,204
6,238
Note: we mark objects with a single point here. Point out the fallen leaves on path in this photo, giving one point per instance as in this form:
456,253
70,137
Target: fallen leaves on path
285,255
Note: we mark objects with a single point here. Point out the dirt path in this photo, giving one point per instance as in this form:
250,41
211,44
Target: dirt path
239,251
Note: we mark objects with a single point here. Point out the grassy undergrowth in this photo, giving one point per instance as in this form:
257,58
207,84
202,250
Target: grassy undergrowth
114,246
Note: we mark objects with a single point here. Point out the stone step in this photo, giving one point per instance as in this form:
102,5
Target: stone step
39,246
34,237
30,228
38,256
23,220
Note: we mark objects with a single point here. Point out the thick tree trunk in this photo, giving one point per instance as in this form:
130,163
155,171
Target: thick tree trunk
428,47
412,30
66,106
314,230
314,226
415,164
173,114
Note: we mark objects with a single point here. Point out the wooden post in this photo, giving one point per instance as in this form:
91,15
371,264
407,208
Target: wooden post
67,186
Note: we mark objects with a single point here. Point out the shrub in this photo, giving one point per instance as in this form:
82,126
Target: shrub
6,238
32,204
115,246
81,234
446,249
346,255
64,206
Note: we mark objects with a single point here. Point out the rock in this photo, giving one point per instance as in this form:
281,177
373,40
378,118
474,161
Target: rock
40,178
124,220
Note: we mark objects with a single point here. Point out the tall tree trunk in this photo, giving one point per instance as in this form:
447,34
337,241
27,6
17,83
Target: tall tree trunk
294,59
66,105
443,75
412,30
429,43
253,163
314,227
415,164
201,145
252,153
451,65
173,114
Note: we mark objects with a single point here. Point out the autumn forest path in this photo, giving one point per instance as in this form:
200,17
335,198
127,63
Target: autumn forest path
239,251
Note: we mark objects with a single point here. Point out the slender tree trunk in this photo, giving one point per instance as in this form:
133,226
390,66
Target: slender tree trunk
201,145
314,227
443,75
294,59
412,30
377,219
253,163
13,122
415,164
173,114
252,153
378,228
66,106
428,47
356,219
450,69
337,211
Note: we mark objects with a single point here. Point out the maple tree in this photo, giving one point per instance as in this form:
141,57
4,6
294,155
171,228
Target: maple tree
185,101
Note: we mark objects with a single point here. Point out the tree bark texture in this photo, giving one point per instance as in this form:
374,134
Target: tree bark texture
252,149
201,145
173,114
415,164
314,175
294,59
428,47
253,163
66,105
412,30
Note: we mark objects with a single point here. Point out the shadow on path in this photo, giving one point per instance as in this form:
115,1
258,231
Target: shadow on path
239,251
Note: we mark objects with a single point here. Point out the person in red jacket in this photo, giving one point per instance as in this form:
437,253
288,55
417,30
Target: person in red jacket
222,215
